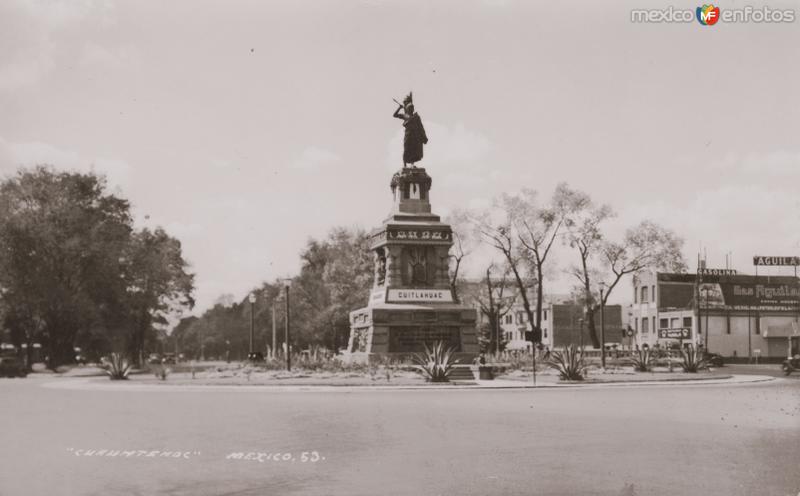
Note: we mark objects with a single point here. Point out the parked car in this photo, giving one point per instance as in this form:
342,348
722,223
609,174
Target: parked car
791,364
714,359
169,358
12,366
154,358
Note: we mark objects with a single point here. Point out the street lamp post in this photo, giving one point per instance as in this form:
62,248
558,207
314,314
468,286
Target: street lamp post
602,327
287,334
705,288
252,299
273,329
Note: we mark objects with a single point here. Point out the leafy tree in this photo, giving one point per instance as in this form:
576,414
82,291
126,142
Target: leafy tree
157,284
495,300
497,227
463,244
61,237
646,245
335,278
537,227
72,269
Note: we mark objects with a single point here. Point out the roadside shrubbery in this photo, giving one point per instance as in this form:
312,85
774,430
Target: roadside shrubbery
569,363
436,363
118,367
693,361
642,360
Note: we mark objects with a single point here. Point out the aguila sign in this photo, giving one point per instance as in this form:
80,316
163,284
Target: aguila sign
776,261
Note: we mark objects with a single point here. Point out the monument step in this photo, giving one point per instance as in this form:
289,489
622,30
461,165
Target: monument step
462,373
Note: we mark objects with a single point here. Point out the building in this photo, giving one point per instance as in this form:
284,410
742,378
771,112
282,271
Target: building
563,321
567,324
728,313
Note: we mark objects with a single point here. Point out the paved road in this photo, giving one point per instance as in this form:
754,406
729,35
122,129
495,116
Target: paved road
667,440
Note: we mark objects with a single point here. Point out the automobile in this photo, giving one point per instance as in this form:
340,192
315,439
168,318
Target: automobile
168,358
154,358
714,359
11,366
791,364
255,356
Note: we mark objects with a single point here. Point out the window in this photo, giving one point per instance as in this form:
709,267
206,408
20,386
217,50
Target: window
644,294
645,325
687,322
663,323
635,294
636,325
545,315
654,323
545,333
509,319
653,289
728,323
675,322
758,325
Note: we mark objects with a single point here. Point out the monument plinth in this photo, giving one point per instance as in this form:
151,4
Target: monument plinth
411,303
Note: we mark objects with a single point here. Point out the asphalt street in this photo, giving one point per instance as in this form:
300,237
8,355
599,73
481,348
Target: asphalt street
634,440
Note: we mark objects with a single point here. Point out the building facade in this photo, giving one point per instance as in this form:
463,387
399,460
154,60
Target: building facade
730,314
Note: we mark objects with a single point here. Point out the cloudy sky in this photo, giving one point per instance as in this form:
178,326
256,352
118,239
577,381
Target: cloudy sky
243,128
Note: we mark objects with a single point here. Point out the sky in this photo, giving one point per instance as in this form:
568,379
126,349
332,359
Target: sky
244,128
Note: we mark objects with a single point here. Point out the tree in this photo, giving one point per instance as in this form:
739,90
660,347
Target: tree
61,237
537,228
463,244
494,302
72,269
646,245
585,235
497,228
335,277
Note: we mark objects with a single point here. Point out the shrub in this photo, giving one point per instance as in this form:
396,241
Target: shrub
642,360
118,367
693,361
569,363
436,362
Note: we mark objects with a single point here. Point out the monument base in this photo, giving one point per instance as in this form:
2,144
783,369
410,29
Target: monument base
396,331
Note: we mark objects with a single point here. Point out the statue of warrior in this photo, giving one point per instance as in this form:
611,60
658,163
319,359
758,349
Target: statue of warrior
415,135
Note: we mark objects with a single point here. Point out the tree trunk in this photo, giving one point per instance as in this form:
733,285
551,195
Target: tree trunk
592,329
539,302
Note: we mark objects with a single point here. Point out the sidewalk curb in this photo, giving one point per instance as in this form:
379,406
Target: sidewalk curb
87,384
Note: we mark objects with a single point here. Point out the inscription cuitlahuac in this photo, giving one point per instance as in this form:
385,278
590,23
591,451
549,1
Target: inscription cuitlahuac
422,295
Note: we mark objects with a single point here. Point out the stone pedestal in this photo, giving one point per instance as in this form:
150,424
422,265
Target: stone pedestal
411,303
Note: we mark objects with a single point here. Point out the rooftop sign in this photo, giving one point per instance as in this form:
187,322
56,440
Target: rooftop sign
759,260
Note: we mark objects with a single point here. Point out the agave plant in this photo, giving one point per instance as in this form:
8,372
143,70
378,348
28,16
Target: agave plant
118,367
693,361
436,362
642,360
569,363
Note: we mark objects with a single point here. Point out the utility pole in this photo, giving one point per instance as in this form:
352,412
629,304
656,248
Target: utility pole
286,336
602,327
252,324
707,347
273,329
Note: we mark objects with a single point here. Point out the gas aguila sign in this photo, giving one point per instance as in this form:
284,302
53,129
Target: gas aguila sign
419,295
749,296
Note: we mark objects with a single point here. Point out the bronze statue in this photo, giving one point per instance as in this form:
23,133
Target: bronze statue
415,135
